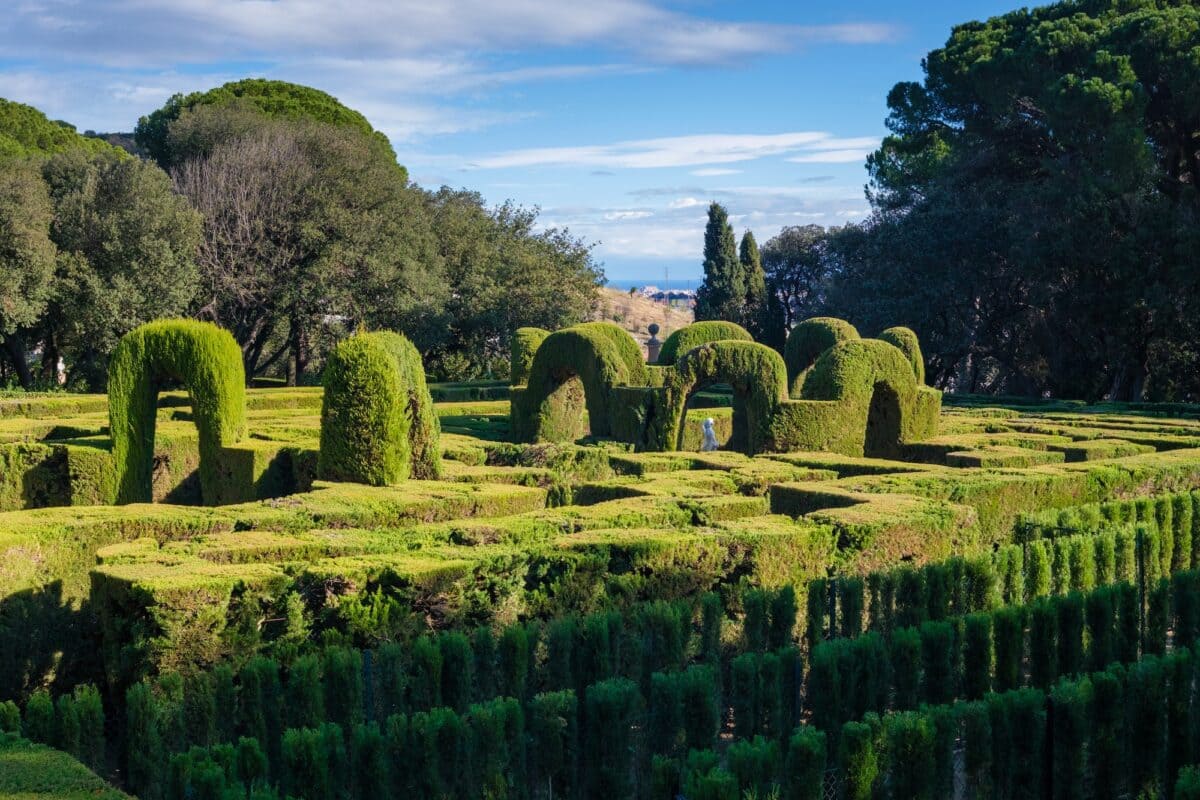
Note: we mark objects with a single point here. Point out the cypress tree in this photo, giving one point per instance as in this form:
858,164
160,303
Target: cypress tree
143,745
305,766
755,316
755,763
10,717
1182,518
369,762
513,662
611,708
66,725
722,296
200,709
225,698
977,655
977,748
770,697
483,643
910,745
744,691
425,674
817,611
1070,633
1158,612
250,763
553,742
804,765
259,703
39,718
1101,624
699,697
937,662
711,615
1008,637
906,666
458,663
858,761
90,711
665,713
1109,745
390,679
755,621
1072,701
850,599
783,617
305,704
1043,649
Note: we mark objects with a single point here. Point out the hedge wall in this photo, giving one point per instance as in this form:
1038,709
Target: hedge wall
906,341
208,362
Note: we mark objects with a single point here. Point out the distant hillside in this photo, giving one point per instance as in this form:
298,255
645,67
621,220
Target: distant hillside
635,313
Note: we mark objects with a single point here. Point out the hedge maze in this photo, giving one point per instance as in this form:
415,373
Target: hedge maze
402,589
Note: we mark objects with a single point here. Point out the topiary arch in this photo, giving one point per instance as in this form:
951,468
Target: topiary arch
377,421
759,380
873,384
208,362
807,341
574,368
698,333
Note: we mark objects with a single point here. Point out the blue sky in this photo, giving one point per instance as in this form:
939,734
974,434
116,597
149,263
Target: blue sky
621,119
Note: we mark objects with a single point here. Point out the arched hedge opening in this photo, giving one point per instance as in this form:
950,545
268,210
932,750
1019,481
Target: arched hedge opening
759,380
692,336
377,420
807,341
573,368
207,361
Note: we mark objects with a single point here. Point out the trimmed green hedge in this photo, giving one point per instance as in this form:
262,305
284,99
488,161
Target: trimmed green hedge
208,362
759,380
602,356
377,420
692,336
31,771
525,344
807,341
906,341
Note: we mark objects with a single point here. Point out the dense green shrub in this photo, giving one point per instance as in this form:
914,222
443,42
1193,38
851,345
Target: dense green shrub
377,421
611,707
692,336
906,341
807,341
804,765
208,362
525,344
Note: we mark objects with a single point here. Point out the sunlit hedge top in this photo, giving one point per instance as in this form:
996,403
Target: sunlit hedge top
698,333
807,341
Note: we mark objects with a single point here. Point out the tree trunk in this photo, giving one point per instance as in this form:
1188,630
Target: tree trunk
16,352
49,367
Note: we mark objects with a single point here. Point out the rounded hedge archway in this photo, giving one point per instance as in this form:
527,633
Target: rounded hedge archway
908,343
207,361
574,368
759,380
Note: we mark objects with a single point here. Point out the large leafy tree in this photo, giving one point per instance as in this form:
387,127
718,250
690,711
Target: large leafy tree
502,273
309,228
1035,208
723,294
797,265
161,139
27,256
126,255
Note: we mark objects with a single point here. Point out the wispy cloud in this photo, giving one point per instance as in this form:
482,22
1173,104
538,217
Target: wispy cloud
712,172
677,151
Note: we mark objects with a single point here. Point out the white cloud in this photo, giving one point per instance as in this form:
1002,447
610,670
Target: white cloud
676,151
712,172
687,202
846,156
627,214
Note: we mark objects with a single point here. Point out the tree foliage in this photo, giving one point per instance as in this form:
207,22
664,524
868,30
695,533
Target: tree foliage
722,296
1035,206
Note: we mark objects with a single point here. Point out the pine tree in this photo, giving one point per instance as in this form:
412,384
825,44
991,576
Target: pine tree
754,317
722,295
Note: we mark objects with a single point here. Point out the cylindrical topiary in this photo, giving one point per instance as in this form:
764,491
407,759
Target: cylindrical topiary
698,333
908,343
807,341
525,344
207,361
377,420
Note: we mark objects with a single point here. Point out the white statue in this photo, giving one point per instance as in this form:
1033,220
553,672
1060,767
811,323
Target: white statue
710,436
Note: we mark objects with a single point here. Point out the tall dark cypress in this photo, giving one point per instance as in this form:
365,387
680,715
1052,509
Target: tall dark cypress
754,317
723,293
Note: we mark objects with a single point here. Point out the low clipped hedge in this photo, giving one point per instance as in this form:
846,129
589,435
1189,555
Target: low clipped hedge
692,336
807,341
377,420
208,362
525,344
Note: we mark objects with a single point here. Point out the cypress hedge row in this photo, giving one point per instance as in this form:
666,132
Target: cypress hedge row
1130,540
